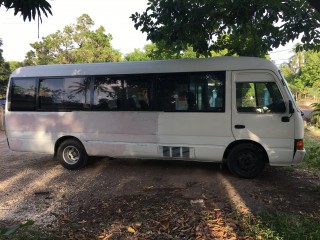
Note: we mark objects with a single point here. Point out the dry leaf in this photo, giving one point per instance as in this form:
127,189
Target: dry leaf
131,230
164,224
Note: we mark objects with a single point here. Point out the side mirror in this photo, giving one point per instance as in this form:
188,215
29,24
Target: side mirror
291,109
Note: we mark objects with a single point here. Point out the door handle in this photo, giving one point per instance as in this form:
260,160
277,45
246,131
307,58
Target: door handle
285,119
239,126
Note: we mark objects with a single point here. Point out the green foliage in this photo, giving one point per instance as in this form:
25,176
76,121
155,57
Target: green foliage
28,8
13,65
293,226
4,74
77,43
278,226
248,27
310,72
10,230
312,160
302,74
316,106
157,51
316,120
311,144
136,55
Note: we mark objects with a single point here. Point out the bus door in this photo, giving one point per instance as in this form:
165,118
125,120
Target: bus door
260,113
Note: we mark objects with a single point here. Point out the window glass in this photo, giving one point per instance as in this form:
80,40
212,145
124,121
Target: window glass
64,93
259,97
209,89
172,92
132,92
23,96
191,92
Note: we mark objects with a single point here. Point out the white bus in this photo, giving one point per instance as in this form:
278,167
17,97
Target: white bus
233,109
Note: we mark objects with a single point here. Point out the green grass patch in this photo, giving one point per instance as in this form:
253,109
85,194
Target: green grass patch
312,145
293,226
282,226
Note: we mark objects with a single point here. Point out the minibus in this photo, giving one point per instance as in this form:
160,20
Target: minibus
233,110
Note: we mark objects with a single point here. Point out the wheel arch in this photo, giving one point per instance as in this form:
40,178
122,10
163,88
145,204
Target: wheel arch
61,140
238,142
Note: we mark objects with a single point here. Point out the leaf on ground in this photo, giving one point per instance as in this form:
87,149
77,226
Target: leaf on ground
164,224
131,230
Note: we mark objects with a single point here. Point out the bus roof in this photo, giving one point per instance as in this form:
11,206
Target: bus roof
161,66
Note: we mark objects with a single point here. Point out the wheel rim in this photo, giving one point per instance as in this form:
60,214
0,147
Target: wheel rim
71,155
247,161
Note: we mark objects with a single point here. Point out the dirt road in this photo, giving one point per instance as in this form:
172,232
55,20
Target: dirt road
109,196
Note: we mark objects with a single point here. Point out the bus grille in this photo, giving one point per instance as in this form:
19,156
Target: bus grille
176,152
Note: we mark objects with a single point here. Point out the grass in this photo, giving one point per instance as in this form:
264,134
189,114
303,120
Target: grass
280,226
312,145
293,226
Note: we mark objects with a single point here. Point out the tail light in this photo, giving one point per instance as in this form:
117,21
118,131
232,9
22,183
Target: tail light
299,145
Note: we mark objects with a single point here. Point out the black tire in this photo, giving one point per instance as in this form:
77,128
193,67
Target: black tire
72,155
246,160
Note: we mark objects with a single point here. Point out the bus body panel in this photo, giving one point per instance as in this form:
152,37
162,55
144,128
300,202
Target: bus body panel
122,134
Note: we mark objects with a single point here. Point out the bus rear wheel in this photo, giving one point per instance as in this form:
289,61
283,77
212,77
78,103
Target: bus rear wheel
246,160
72,155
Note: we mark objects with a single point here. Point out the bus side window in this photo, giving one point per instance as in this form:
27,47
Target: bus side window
171,92
209,91
23,97
194,92
106,93
259,97
122,93
64,94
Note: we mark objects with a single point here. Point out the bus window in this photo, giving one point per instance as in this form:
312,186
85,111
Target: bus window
132,92
23,97
171,92
191,92
64,93
259,97
209,89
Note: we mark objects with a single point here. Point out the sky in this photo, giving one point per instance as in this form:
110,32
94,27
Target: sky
113,15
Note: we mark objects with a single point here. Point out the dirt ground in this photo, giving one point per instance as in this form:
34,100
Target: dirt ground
140,199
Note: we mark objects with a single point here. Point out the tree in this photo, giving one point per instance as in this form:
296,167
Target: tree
297,60
157,51
4,74
247,27
77,43
28,8
303,78
136,55
316,112
310,72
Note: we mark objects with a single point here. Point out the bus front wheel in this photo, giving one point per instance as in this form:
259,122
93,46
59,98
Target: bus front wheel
246,160
72,155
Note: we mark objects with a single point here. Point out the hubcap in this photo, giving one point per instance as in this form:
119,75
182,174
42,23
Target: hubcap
247,161
71,155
